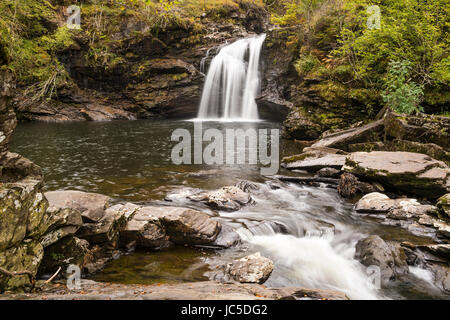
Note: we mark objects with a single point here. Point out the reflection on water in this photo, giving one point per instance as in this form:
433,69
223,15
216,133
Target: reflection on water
179,264
128,160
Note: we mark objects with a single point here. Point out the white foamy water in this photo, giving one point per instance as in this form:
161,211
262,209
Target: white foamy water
311,244
233,82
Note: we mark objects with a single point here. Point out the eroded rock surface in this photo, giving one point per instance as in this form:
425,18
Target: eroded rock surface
413,173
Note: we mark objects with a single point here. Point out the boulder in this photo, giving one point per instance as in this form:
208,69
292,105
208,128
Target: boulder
25,256
250,269
62,222
443,229
375,202
184,225
328,172
412,173
350,186
420,128
379,203
91,205
145,230
107,229
67,251
443,204
226,198
23,208
389,257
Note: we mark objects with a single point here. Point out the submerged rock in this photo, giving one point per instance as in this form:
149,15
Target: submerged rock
412,173
251,269
92,206
389,257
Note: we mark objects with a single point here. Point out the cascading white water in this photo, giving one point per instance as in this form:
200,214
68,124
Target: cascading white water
233,81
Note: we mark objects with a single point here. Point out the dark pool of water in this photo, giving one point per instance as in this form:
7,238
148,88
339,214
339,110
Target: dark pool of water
128,160
174,265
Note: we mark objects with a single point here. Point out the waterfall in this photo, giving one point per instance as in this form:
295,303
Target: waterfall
233,82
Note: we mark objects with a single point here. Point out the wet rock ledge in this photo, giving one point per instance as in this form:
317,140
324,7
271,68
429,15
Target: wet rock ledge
205,290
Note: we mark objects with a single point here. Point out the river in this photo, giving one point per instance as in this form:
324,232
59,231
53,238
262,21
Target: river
309,232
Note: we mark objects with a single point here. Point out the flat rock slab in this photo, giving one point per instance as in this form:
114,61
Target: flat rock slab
92,206
335,161
341,139
408,172
379,203
204,290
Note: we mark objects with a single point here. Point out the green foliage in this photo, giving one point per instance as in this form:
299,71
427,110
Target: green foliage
401,94
412,30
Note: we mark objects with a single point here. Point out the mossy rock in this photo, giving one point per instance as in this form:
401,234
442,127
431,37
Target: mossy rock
443,204
26,256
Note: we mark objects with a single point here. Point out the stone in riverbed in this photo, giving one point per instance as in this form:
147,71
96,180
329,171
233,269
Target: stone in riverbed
186,226
251,269
350,186
328,173
402,208
62,222
389,257
107,229
314,159
145,230
409,172
22,209
67,251
443,204
23,257
92,206
229,198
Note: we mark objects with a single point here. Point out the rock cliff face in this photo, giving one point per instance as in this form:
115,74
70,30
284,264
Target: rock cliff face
155,74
